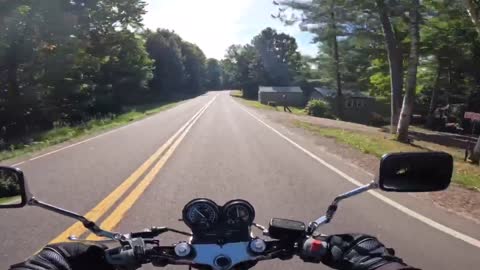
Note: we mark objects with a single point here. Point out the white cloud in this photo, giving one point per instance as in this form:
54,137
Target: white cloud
216,24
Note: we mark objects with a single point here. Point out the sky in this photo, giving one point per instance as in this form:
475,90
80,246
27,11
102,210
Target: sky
214,25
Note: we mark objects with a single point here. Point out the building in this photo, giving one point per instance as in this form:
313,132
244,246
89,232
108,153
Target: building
281,95
357,107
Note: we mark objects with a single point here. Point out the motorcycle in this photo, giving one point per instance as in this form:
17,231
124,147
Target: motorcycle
221,236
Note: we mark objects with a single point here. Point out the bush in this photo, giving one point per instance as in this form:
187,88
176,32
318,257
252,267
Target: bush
8,186
318,108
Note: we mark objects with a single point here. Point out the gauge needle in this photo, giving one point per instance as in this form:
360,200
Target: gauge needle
238,212
200,213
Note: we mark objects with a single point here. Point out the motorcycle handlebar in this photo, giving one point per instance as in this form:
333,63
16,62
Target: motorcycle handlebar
133,257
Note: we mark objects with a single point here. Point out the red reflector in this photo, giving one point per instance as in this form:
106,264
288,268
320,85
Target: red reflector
316,246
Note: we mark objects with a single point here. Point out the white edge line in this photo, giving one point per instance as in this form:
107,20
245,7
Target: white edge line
468,239
78,143
19,163
72,145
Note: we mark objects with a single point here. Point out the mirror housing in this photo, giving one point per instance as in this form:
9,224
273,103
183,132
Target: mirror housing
14,193
415,171
18,196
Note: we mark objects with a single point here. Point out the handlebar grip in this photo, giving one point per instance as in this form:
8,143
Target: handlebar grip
120,256
313,250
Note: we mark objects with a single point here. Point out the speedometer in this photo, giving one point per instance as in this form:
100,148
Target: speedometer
200,214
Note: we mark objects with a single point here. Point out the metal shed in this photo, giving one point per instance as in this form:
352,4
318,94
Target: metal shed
281,95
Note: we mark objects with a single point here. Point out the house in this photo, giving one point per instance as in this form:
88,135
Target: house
281,95
357,106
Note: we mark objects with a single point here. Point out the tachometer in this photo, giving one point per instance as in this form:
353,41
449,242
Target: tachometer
200,214
239,213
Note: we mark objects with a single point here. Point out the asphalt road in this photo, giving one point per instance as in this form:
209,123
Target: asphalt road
224,154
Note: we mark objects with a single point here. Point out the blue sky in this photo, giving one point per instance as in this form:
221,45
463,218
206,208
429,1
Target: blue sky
216,24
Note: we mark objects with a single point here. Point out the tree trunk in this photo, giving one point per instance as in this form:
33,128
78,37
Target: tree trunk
336,58
411,83
475,155
473,10
338,77
434,97
395,60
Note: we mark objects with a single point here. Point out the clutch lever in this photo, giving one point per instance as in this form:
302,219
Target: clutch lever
156,231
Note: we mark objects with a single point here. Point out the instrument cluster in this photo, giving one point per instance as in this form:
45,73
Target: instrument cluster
206,219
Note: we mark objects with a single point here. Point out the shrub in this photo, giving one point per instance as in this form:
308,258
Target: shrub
8,186
319,108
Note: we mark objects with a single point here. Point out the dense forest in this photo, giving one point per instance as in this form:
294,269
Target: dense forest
63,62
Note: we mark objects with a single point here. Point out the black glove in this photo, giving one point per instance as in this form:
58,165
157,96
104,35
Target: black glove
360,252
67,256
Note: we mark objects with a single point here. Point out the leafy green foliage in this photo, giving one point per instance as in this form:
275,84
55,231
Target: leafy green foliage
164,47
449,47
278,55
272,58
9,185
194,62
64,62
180,66
319,108
346,32
213,76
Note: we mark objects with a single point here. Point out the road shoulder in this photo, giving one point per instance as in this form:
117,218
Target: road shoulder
362,167
36,152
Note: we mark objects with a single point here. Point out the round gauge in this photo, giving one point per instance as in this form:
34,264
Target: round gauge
238,213
200,214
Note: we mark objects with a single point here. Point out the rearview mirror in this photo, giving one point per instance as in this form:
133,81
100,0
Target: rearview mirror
12,188
415,172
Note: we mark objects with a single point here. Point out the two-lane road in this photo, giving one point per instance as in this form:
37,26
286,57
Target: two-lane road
212,147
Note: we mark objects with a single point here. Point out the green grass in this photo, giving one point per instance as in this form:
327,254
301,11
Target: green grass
377,144
255,104
7,200
236,93
62,134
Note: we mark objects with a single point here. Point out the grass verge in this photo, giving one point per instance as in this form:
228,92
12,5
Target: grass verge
9,200
62,134
255,104
465,174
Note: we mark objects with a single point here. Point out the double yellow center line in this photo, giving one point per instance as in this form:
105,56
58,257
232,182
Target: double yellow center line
160,157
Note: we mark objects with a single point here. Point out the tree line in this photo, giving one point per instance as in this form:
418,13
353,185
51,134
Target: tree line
271,58
63,62
376,46
422,55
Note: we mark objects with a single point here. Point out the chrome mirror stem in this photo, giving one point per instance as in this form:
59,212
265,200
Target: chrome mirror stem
90,225
334,205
